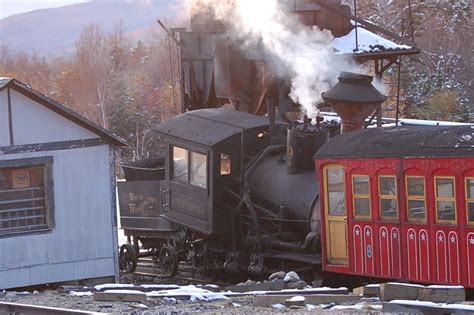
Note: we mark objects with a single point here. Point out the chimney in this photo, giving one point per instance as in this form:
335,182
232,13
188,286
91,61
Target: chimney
353,98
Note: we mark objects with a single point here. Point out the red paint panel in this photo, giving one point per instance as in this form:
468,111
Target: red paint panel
384,254
395,253
369,251
470,259
424,250
453,254
441,257
358,250
412,255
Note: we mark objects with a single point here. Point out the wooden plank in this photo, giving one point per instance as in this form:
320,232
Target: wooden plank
269,300
399,291
118,296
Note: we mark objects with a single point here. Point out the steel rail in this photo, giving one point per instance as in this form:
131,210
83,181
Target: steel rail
17,309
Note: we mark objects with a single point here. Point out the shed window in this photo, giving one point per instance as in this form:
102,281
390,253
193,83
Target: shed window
189,167
388,197
23,197
445,199
335,191
361,195
416,198
470,200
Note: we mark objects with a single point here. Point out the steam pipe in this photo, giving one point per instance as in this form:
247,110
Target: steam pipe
246,195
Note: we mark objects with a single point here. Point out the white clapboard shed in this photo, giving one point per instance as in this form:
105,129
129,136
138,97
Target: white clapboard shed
57,192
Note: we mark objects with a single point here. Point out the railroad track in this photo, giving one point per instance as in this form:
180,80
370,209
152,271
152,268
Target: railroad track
17,309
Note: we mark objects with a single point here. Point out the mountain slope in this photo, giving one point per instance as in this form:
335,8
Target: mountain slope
53,32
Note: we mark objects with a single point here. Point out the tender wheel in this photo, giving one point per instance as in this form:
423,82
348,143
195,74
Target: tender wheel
128,258
167,261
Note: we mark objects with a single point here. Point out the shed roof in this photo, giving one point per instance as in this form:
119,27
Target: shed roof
61,110
408,141
210,126
362,42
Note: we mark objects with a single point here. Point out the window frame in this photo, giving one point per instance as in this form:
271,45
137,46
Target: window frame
361,196
326,189
415,198
47,163
452,199
189,166
468,200
388,197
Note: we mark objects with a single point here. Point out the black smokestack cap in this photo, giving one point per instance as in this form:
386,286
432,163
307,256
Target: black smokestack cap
354,88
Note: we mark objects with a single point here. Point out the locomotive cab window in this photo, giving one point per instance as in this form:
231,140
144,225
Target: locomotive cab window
445,200
388,197
180,164
416,198
24,205
225,164
189,167
470,200
361,196
335,191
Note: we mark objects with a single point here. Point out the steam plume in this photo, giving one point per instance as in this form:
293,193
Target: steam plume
304,53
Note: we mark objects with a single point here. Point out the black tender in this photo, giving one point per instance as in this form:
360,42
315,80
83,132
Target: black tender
408,141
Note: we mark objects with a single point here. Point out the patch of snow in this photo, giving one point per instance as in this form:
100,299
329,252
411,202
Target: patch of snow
297,298
278,306
112,286
355,307
437,286
212,286
192,291
168,299
366,40
466,137
87,293
376,285
159,286
310,307
407,284
236,304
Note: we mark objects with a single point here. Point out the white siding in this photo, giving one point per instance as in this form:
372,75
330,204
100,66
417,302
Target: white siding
34,123
81,245
4,128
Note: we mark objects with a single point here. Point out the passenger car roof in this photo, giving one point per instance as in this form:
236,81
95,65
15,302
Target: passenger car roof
408,141
210,126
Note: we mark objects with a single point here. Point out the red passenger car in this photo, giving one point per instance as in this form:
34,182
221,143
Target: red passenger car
398,203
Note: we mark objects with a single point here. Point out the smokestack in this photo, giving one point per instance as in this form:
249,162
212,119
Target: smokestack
353,98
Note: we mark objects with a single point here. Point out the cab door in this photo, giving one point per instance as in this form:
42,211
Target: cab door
336,215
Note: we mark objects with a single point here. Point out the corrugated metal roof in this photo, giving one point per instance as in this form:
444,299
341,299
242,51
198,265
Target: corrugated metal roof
210,126
408,141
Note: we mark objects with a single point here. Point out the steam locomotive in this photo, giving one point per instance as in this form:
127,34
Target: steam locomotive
234,194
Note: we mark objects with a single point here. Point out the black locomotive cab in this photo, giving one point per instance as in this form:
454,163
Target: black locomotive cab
206,151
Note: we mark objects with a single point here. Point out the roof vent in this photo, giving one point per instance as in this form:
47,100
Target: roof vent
353,98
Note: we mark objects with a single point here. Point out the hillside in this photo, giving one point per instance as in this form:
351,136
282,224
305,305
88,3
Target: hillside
53,32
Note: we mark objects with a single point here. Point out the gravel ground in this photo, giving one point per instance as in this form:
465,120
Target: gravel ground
234,305
239,305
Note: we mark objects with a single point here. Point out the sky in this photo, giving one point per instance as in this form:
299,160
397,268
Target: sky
10,7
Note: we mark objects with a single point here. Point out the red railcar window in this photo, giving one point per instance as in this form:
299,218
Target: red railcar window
388,197
470,200
445,200
361,196
416,198
335,191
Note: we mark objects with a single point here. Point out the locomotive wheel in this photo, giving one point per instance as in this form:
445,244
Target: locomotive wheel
128,258
168,262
